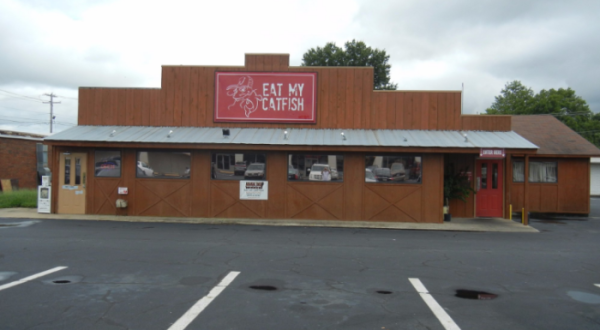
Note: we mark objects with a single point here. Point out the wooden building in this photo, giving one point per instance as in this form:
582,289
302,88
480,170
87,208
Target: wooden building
269,140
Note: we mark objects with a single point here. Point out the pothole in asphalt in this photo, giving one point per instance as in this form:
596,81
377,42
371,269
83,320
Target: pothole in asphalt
383,292
476,295
64,280
263,287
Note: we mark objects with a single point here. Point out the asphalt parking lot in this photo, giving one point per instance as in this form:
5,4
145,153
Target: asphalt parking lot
189,276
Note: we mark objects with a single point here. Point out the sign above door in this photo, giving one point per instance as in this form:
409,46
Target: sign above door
278,97
491,153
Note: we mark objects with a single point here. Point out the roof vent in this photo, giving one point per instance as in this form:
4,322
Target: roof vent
113,132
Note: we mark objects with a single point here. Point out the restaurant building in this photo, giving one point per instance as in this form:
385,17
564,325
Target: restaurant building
272,141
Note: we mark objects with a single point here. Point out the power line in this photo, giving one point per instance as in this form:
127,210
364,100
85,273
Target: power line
66,97
22,96
22,110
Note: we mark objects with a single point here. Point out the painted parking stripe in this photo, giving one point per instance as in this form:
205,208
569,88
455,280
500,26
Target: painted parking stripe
32,277
195,310
598,285
439,312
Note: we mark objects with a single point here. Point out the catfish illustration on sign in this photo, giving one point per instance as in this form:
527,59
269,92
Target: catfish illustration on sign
243,93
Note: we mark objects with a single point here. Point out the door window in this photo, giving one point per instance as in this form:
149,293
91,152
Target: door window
67,171
484,176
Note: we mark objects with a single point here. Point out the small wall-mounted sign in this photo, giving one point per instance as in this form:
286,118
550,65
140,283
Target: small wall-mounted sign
491,153
45,180
123,191
257,190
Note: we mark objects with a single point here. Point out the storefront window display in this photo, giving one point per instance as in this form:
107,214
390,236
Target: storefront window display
107,163
163,164
239,166
393,169
315,167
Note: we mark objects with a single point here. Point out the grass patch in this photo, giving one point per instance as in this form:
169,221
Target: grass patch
19,198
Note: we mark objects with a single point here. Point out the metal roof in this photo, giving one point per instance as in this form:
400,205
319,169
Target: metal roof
295,137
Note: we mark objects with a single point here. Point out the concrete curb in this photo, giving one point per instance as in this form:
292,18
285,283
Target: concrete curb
457,224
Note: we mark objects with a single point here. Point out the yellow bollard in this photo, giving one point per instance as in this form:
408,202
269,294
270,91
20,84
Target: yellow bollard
522,215
510,212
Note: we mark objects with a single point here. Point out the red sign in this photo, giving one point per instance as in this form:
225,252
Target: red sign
491,153
282,97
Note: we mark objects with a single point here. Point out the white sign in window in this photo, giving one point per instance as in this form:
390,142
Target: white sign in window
256,190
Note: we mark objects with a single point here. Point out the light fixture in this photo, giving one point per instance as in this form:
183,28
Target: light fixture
285,136
343,136
225,132
466,138
170,132
113,133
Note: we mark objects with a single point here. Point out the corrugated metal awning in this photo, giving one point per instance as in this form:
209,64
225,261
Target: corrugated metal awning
295,137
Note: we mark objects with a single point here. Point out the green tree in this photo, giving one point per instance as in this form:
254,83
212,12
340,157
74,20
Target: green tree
514,99
564,104
355,53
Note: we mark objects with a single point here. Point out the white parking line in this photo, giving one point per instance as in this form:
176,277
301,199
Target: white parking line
598,285
439,312
195,310
32,277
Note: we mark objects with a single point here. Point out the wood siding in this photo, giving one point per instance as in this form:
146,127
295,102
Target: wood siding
200,196
571,194
345,99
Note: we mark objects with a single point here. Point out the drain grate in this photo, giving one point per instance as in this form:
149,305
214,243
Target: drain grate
61,282
263,287
384,292
476,295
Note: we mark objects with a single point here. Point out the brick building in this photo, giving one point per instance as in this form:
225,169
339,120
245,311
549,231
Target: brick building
19,158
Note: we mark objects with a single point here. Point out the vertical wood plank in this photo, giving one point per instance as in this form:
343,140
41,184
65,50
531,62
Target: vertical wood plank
407,108
457,97
354,169
424,111
210,97
106,120
442,118
390,110
277,176
433,111
83,107
177,95
416,110
138,106
202,96
201,183
323,100
367,92
399,110
349,104
432,188
185,96
129,121
358,118
193,92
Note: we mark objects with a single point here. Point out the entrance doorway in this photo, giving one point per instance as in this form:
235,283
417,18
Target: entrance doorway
489,187
72,178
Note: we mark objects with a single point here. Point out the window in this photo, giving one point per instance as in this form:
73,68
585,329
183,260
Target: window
545,172
315,167
107,163
163,164
239,166
393,169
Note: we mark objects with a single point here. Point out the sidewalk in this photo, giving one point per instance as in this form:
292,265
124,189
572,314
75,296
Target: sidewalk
457,224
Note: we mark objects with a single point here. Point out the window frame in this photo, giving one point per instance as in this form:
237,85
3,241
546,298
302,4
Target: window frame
120,163
555,162
181,177
318,154
397,155
232,163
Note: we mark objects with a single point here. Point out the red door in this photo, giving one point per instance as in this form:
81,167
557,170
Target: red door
489,188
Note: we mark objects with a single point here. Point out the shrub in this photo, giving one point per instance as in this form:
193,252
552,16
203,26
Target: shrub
19,198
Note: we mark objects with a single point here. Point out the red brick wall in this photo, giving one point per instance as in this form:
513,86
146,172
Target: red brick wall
18,161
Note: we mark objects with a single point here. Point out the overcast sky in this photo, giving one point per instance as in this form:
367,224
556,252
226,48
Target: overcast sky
56,46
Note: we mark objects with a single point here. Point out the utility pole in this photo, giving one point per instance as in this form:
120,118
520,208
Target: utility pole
52,96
